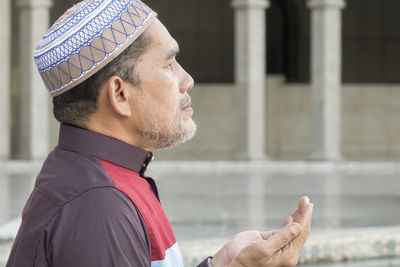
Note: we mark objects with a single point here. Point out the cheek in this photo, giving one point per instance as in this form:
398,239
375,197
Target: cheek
165,91
168,103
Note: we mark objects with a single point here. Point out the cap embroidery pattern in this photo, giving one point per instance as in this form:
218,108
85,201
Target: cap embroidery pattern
86,38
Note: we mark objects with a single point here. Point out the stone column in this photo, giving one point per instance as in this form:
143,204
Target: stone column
33,138
250,73
326,78
5,66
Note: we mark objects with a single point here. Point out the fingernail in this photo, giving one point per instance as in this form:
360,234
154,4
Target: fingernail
295,229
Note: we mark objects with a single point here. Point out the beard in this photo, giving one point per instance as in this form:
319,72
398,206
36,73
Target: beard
170,131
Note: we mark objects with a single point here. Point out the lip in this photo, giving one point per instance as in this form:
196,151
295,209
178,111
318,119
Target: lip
187,107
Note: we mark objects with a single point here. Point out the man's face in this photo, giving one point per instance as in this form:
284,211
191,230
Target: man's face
162,113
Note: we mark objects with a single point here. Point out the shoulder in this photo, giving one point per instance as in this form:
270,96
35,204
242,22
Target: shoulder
65,175
103,204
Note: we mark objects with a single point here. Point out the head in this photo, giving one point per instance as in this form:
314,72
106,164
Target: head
141,97
76,105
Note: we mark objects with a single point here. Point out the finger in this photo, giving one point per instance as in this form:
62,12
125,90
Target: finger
304,212
303,217
266,235
303,202
294,214
288,221
283,237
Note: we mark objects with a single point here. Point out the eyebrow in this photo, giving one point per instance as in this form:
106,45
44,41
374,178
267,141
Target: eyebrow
173,53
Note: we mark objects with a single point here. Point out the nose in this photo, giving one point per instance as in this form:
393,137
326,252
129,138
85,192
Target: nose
186,82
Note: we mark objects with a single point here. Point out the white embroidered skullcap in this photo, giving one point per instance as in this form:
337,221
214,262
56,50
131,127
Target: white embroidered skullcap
87,37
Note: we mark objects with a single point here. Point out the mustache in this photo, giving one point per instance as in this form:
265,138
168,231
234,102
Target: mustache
186,101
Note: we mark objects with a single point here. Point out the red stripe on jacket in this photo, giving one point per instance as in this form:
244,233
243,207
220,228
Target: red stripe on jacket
139,191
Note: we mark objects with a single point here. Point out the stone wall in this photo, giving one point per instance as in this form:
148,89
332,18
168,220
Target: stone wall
370,123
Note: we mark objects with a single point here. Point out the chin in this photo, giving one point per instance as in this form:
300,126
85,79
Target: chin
187,132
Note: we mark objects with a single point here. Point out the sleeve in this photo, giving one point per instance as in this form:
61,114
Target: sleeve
204,263
101,228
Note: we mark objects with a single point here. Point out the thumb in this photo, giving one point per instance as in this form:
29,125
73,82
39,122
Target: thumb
283,237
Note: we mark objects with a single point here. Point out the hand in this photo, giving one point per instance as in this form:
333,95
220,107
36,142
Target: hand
275,248
302,215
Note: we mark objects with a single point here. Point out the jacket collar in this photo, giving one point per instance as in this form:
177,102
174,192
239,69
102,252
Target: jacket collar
83,141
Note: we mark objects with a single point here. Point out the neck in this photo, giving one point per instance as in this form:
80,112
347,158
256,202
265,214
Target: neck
114,129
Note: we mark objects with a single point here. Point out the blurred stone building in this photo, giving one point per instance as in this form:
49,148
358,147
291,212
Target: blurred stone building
276,79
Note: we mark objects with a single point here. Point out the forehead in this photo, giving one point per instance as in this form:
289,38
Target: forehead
160,37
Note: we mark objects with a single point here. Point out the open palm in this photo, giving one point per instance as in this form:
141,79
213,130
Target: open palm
243,240
274,248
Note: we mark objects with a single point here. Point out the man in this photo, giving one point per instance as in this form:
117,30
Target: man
120,93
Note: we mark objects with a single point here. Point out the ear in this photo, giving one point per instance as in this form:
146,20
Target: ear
118,94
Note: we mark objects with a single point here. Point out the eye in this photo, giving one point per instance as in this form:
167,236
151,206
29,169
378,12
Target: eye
171,66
